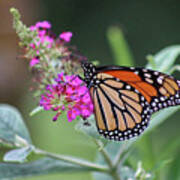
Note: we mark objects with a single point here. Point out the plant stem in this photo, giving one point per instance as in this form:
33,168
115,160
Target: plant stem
112,169
119,155
104,153
72,160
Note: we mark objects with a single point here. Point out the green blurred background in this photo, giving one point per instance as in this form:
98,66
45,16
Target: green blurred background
148,27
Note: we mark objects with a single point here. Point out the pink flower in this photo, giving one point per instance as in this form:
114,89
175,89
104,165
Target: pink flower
44,35
66,36
46,41
33,28
68,94
32,45
34,61
41,25
41,33
73,113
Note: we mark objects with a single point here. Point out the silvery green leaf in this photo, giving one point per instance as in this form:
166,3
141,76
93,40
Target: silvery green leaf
17,155
39,167
125,173
165,59
88,127
12,126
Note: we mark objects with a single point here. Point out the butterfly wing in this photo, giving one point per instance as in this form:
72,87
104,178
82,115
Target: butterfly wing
125,98
159,89
121,111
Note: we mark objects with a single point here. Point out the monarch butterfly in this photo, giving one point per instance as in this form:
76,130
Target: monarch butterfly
125,97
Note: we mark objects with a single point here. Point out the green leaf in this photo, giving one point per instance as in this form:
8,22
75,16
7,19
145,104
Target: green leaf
114,148
170,148
125,173
102,176
12,128
165,59
39,167
161,116
119,46
174,170
161,165
18,155
90,129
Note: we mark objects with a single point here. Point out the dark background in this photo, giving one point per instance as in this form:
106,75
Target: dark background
148,26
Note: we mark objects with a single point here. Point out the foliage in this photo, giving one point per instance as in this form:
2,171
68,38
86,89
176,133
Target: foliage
113,160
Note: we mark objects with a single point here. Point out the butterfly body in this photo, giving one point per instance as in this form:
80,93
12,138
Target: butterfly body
124,98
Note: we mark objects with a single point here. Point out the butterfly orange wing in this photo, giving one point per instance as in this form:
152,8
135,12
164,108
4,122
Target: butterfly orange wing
125,99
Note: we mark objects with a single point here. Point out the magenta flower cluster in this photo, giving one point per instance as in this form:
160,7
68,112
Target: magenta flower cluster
46,38
69,94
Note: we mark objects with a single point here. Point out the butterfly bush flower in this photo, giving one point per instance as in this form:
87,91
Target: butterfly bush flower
43,34
34,61
66,36
68,94
55,65
49,54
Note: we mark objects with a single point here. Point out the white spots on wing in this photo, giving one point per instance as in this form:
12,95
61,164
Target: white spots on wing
144,70
97,81
149,80
169,103
165,104
146,103
120,134
145,111
147,75
136,72
128,87
116,131
160,79
156,73
162,98
100,130
135,129
117,79
160,105
155,109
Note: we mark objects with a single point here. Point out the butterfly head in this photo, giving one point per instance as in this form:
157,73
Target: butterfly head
89,71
